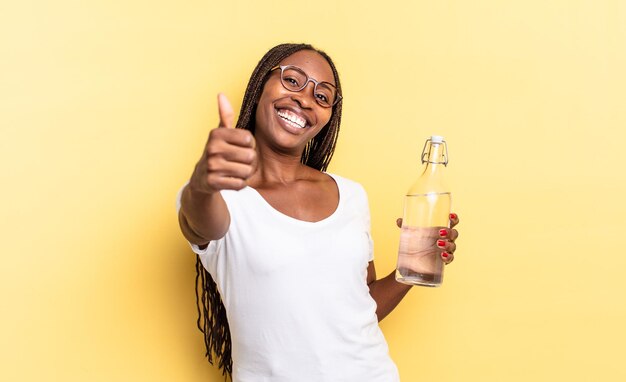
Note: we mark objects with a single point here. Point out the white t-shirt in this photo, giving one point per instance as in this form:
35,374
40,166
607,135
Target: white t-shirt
295,292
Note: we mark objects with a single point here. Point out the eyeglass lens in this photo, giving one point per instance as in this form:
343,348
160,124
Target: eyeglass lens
294,79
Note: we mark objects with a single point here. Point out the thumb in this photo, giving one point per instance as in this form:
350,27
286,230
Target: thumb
226,111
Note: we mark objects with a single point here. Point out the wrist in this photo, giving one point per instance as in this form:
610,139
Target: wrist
196,199
196,188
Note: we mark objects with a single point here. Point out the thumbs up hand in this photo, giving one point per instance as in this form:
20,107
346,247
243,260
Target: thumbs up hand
229,158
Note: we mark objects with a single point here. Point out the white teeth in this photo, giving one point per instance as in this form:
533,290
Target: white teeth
293,118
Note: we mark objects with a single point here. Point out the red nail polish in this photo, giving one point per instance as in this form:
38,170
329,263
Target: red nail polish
445,254
453,216
443,232
441,243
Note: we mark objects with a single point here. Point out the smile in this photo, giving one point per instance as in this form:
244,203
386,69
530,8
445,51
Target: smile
292,118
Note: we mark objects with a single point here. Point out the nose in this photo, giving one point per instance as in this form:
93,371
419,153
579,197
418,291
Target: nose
305,97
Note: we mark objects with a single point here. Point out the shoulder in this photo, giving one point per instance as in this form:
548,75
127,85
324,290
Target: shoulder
345,181
239,199
349,187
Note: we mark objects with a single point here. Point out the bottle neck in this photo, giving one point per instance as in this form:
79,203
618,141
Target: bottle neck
434,157
432,175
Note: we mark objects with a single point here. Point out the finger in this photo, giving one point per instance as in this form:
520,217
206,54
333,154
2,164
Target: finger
446,245
240,137
454,220
237,137
227,116
399,222
453,235
240,155
255,162
224,168
252,141
447,233
447,257
220,182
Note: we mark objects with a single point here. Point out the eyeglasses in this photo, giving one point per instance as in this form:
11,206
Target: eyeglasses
295,79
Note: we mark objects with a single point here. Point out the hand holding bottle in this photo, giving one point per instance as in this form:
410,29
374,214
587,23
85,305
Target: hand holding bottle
446,239
443,238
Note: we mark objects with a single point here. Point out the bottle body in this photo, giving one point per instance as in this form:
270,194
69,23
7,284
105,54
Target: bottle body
427,208
419,258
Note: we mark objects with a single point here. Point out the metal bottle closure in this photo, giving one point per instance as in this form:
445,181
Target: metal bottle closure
426,155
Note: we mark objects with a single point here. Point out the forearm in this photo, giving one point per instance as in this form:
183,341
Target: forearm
203,217
387,293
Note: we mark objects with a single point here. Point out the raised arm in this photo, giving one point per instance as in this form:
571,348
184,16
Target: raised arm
228,161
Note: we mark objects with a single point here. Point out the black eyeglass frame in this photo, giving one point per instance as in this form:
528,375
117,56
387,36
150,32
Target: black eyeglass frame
282,68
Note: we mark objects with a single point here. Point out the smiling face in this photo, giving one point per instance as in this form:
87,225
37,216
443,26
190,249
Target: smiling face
286,120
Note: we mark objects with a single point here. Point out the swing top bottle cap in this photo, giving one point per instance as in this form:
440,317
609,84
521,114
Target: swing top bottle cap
436,139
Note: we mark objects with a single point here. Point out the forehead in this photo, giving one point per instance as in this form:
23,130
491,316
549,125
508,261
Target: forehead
313,63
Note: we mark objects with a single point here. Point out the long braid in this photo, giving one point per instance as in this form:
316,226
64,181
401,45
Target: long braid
212,320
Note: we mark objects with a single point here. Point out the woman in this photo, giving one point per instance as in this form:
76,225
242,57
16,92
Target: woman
283,244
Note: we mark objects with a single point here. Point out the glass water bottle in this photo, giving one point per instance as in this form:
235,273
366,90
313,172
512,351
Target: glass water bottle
426,211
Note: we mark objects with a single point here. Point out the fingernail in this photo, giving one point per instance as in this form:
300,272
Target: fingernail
441,243
443,232
445,254
453,216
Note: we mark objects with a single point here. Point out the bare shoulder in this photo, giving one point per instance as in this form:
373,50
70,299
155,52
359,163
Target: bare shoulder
321,181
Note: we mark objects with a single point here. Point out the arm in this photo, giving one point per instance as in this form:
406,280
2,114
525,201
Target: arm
387,292
203,216
228,160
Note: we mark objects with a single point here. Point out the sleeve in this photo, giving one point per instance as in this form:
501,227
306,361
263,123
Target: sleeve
368,225
213,246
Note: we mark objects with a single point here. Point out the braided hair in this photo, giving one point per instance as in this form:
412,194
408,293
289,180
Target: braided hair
212,320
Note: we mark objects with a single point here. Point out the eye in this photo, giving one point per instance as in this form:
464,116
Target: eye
293,78
322,97
325,94
291,81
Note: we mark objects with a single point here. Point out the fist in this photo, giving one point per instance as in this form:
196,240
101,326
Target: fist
229,158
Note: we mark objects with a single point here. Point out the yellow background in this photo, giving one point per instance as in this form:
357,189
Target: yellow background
105,107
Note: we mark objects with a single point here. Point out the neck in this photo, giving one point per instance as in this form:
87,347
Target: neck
278,167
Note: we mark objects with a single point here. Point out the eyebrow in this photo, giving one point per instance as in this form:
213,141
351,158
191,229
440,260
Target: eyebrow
307,73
